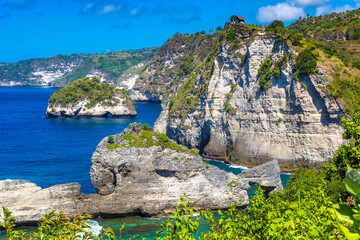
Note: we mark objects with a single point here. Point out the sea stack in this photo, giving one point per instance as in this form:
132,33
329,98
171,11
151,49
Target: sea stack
88,97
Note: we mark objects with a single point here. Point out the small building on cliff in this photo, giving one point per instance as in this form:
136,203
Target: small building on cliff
240,19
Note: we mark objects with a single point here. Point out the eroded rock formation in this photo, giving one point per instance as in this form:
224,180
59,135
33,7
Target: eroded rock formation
292,121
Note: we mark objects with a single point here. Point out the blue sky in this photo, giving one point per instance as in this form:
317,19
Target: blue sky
41,28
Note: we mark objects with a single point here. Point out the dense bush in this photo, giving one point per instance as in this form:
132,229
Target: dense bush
278,65
356,64
187,65
346,89
348,154
229,109
265,72
231,35
56,226
306,62
276,26
298,212
295,38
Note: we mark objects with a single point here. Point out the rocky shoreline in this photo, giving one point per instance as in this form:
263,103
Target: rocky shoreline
133,180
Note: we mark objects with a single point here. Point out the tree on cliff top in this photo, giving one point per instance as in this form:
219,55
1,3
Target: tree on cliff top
233,18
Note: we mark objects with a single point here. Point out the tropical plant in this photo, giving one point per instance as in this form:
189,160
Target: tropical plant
348,155
57,226
347,213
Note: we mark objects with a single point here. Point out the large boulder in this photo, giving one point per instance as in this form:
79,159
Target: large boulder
28,202
152,178
267,175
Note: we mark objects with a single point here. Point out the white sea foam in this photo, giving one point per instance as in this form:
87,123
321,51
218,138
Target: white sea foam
238,166
94,229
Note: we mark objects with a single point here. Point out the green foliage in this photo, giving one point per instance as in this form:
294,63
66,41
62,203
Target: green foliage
295,38
348,154
9,222
113,146
192,50
233,18
228,96
233,87
90,89
276,26
110,139
356,64
265,72
279,64
297,213
306,179
332,26
58,227
146,137
187,66
347,91
346,213
147,127
192,91
229,109
181,225
306,62
231,35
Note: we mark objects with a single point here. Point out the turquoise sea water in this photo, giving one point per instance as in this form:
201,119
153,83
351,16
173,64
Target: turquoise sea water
55,151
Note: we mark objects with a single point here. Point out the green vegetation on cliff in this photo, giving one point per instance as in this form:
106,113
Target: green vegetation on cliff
91,90
144,136
174,62
194,88
110,65
333,26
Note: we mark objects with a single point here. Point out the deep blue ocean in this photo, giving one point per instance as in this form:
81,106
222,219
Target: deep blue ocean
55,151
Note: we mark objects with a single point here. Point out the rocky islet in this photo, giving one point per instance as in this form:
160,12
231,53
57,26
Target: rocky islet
146,181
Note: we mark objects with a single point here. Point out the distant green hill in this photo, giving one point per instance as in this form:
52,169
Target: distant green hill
60,70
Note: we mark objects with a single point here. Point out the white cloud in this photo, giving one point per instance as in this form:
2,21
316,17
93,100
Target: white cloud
110,8
281,11
343,8
134,11
323,10
311,3
329,9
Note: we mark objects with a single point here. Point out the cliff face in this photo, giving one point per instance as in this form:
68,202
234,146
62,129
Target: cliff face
234,119
171,65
